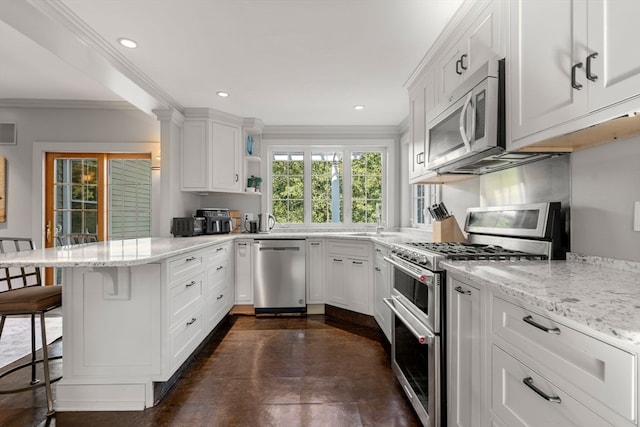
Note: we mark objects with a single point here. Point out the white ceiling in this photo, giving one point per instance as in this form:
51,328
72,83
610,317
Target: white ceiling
287,62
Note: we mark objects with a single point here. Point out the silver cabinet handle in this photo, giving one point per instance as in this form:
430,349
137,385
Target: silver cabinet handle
357,262
315,243
529,320
219,268
337,260
378,269
242,244
462,291
191,258
237,177
220,296
190,284
219,249
192,321
529,383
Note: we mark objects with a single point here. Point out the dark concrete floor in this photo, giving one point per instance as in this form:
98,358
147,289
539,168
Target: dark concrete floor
268,371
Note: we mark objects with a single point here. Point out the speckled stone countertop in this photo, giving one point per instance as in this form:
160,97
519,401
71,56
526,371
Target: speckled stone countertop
123,253
600,293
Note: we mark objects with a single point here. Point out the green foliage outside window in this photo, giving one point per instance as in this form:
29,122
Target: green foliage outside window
327,182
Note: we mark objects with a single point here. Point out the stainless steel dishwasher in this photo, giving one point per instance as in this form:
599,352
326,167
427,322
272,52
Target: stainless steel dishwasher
279,277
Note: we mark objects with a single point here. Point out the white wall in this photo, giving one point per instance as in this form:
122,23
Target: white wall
605,182
62,129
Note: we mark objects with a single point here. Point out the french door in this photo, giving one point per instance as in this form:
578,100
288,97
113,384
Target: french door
83,190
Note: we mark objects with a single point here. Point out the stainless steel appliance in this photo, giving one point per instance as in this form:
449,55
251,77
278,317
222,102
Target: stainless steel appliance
521,232
218,221
279,283
188,226
466,133
266,222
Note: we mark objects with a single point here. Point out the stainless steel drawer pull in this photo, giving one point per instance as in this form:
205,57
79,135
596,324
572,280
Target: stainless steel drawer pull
378,269
315,244
357,262
220,267
337,260
190,284
242,244
529,383
462,291
219,249
220,296
192,258
192,321
529,320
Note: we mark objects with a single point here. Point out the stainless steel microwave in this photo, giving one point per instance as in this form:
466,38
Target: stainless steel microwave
469,125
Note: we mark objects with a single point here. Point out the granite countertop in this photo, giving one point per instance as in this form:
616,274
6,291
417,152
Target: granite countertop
599,293
122,253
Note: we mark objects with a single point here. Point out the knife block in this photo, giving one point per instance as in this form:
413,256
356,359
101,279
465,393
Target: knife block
447,230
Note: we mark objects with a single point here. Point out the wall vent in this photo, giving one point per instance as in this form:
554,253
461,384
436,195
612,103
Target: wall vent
7,133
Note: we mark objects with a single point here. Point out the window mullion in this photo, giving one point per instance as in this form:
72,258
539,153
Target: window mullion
346,191
307,186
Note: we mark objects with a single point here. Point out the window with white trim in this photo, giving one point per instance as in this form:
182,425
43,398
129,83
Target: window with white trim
336,186
423,196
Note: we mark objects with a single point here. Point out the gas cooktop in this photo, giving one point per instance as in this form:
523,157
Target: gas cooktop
473,251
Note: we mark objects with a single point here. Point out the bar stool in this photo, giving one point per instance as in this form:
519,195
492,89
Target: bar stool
23,294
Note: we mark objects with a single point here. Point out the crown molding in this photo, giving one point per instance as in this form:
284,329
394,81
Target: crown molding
65,103
211,113
324,132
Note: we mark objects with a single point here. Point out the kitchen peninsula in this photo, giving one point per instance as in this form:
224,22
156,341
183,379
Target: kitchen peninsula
133,313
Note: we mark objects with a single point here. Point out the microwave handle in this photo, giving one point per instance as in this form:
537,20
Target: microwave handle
463,129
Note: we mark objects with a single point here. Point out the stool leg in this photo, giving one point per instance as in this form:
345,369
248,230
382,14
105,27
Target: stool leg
34,380
2,324
45,362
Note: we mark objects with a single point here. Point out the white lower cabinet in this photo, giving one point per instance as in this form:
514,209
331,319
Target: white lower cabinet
244,272
465,354
219,290
382,284
349,275
315,271
523,398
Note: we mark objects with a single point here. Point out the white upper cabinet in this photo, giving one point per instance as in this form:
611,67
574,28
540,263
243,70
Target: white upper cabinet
565,67
545,49
613,56
480,42
212,153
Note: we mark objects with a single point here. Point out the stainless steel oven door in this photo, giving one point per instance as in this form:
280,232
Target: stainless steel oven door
416,362
418,289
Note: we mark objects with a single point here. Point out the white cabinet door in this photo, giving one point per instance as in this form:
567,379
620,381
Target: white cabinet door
382,289
359,286
315,272
417,145
226,155
617,64
244,275
545,47
336,281
195,156
480,41
464,354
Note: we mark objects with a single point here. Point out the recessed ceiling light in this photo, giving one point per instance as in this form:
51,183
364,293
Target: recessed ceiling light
128,43
358,107
222,94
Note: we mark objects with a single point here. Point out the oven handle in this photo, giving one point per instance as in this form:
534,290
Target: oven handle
421,332
421,278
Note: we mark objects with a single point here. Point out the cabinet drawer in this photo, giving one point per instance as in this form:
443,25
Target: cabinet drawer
518,404
218,272
348,248
185,337
184,296
218,252
567,356
219,302
185,265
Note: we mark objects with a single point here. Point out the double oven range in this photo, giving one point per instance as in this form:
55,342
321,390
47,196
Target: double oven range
520,232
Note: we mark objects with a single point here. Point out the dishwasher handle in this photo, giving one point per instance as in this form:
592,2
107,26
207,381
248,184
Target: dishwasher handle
280,248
